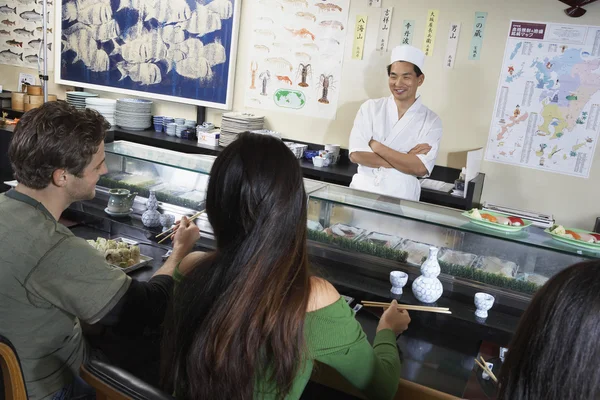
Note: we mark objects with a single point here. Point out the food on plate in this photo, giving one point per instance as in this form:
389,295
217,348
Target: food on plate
116,253
380,239
314,226
344,231
497,266
580,236
475,213
502,220
456,257
489,217
558,230
416,251
496,219
516,221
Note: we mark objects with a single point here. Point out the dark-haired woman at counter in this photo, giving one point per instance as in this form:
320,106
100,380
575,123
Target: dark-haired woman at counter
554,353
249,320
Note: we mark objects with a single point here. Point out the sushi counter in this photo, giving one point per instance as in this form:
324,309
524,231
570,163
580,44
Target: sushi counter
368,233
355,240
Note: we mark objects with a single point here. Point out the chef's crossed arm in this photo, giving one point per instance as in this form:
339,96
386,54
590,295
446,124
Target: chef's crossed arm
419,161
360,151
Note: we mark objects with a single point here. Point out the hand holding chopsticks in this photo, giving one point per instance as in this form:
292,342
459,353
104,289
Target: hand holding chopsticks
173,229
439,310
486,369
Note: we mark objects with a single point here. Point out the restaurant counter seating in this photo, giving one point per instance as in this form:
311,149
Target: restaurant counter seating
113,383
13,384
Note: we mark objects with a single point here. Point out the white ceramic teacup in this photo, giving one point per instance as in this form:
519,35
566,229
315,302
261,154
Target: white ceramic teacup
398,279
335,150
318,161
483,302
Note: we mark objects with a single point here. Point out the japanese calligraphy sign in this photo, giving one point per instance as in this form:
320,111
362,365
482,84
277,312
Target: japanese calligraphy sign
359,37
374,3
477,39
430,31
408,28
384,29
453,35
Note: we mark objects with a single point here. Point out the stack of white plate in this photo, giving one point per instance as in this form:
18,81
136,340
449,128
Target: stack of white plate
106,107
234,123
77,99
134,114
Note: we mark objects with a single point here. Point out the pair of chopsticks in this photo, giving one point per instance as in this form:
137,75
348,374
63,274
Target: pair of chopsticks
172,230
439,310
484,367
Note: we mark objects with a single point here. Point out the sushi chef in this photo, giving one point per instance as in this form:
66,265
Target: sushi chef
395,139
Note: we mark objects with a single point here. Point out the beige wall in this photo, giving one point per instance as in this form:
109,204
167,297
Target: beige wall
463,97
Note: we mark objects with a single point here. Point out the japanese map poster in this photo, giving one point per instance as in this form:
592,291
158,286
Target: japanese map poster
296,56
547,110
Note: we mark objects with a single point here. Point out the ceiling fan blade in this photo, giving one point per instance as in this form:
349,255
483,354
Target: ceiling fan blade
575,12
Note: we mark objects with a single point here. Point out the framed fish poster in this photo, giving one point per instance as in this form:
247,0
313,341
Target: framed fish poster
174,50
21,32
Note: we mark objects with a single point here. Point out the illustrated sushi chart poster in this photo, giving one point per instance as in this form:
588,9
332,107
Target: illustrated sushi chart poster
547,110
21,32
175,50
296,56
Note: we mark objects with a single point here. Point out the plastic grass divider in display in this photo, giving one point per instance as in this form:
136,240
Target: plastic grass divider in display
474,274
361,247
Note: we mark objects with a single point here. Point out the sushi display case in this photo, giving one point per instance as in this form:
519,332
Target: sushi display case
178,180
383,234
369,233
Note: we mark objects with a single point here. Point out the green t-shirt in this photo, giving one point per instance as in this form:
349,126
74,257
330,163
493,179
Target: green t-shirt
334,337
49,280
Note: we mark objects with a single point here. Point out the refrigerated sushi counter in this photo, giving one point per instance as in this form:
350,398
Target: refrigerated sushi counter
356,239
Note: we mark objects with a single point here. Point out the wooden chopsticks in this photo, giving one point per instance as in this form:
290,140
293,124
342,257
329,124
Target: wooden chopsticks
439,310
193,217
485,368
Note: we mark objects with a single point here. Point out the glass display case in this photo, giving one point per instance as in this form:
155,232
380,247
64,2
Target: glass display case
179,180
375,233
472,258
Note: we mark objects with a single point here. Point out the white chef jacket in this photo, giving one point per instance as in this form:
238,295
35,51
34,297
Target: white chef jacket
378,119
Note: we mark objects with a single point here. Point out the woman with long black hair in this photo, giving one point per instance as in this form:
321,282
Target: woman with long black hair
554,353
249,320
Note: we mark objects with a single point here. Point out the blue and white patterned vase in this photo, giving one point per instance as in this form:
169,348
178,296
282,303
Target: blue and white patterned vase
151,217
427,288
167,221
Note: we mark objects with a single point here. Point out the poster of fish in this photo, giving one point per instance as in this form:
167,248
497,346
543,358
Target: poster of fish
175,50
296,56
21,32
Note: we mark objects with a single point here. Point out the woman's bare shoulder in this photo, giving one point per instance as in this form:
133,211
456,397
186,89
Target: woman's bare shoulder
322,294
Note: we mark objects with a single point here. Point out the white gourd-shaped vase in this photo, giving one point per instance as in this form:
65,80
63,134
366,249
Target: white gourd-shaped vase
151,217
427,288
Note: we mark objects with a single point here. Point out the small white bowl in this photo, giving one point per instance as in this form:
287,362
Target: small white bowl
483,302
398,279
319,161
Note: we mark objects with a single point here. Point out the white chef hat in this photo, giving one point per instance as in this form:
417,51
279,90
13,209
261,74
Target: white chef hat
409,54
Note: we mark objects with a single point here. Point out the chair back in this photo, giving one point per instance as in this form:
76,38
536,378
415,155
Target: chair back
12,374
113,383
